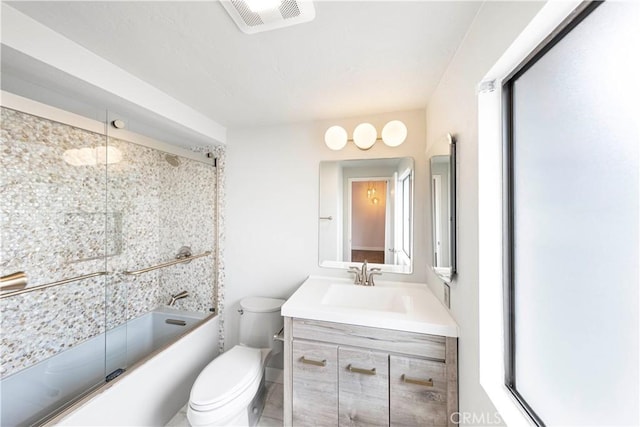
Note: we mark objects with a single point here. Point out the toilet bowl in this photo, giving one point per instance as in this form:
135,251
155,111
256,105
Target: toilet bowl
230,390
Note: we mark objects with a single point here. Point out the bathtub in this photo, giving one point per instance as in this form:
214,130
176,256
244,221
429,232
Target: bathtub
35,392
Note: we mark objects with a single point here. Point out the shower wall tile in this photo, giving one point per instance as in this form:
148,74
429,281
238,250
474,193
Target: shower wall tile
40,192
57,223
187,218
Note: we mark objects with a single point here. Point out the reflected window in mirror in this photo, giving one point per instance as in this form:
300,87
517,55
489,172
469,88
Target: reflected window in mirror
443,211
366,213
405,202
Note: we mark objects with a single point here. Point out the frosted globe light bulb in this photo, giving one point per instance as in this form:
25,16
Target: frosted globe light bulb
365,135
394,133
335,137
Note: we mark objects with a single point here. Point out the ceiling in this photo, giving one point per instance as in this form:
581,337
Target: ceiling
355,58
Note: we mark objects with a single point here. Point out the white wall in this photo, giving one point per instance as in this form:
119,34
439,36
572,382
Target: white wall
453,108
272,192
272,205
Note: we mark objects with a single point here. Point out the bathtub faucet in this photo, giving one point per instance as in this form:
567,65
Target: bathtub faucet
178,296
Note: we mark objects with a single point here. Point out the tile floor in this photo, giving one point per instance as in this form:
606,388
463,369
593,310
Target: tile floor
271,415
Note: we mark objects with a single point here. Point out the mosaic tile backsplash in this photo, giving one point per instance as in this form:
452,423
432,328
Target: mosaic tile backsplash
60,220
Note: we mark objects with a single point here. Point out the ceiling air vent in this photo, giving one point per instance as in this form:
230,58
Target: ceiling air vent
254,16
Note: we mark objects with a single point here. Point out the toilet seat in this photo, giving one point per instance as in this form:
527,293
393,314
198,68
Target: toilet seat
232,374
230,390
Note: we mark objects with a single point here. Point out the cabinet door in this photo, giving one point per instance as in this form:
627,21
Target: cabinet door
315,384
418,392
363,376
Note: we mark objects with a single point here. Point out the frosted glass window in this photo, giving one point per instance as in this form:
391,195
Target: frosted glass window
574,225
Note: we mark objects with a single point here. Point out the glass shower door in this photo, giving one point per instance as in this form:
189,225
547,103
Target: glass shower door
53,229
118,254
160,207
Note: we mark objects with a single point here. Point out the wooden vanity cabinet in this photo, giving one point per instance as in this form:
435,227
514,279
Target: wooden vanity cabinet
315,384
349,375
417,392
363,391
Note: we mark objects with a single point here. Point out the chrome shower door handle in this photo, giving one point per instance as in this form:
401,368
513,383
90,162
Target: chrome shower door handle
13,281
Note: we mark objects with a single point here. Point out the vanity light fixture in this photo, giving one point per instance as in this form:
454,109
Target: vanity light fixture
365,135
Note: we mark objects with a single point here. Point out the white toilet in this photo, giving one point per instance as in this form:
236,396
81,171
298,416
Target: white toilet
230,390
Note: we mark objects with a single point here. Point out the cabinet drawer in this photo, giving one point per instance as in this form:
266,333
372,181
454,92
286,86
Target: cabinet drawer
412,343
363,376
315,384
417,392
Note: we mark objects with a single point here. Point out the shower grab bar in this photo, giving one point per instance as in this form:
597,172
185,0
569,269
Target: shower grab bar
52,284
166,264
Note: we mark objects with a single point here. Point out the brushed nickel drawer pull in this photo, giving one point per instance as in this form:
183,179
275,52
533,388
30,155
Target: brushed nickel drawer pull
322,363
417,381
371,371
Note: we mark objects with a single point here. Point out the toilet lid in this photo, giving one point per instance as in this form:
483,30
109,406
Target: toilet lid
225,377
261,304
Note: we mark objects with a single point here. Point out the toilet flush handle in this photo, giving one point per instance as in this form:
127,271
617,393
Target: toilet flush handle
241,311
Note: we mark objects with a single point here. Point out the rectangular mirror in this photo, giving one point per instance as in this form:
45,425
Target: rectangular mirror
366,213
443,212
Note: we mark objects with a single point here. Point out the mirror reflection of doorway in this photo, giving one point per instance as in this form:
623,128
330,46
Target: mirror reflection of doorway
369,220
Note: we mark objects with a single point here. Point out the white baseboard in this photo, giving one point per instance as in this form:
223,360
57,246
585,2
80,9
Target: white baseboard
274,375
367,248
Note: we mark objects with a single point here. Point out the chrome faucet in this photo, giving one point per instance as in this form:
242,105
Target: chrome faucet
364,275
178,296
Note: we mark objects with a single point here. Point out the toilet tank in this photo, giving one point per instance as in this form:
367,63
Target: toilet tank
260,321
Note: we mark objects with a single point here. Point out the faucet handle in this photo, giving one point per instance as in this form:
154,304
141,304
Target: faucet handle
358,274
373,272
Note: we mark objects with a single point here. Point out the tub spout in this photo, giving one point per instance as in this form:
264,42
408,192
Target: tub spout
178,296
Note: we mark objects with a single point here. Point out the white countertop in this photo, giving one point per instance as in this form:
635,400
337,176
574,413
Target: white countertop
414,307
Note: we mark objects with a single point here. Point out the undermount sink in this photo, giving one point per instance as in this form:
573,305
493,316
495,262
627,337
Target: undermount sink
366,298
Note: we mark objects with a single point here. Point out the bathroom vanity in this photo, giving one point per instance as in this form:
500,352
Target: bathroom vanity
368,355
